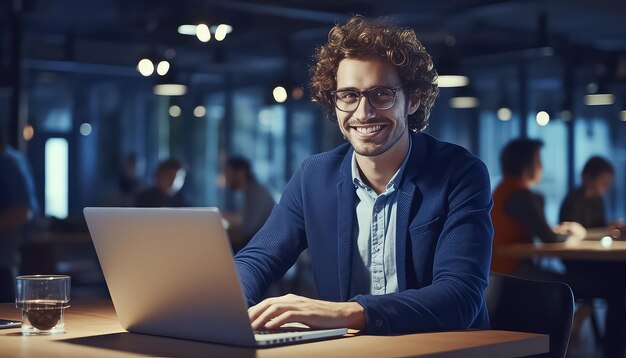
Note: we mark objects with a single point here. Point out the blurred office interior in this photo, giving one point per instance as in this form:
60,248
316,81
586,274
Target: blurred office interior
86,84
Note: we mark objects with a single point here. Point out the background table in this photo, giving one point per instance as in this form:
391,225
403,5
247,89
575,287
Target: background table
583,250
93,331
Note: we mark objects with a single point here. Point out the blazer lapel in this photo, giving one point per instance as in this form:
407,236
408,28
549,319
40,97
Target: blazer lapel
405,200
345,225
406,197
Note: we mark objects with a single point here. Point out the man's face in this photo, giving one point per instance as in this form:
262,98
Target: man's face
171,180
370,131
535,172
235,179
601,184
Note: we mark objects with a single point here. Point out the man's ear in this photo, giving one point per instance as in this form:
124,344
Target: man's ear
414,102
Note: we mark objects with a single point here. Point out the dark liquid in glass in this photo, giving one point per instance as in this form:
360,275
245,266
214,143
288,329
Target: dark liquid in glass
43,315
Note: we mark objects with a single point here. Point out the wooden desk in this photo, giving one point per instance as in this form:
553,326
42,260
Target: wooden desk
92,330
582,250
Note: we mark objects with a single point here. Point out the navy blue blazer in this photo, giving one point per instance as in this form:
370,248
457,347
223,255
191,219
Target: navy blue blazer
443,242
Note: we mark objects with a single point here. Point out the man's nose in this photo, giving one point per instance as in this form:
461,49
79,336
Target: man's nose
364,110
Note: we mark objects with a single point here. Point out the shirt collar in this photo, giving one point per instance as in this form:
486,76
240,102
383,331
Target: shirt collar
394,183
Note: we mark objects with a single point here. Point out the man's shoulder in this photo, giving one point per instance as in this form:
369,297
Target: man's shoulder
441,158
446,151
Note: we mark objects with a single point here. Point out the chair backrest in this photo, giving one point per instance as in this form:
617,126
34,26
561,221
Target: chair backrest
545,307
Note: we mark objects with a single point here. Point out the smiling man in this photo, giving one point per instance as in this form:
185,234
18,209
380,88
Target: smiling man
396,222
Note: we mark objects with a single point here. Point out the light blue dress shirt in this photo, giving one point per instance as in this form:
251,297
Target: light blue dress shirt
374,258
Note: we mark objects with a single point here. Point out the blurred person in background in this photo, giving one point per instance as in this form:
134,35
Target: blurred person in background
518,217
18,204
130,181
585,204
594,279
169,178
256,206
518,212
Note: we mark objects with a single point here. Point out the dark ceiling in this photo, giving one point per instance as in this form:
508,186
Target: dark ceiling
107,37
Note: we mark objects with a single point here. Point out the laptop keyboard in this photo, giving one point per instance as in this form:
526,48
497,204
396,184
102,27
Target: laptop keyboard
274,331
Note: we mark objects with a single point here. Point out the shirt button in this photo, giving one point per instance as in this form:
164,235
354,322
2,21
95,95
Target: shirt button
379,323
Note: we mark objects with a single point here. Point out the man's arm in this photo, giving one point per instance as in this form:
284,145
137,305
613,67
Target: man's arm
276,247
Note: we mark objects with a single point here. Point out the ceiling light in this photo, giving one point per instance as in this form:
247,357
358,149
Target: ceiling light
623,116
444,81
162,68
174,111
221,31
297,93
280,94
28,132
203,33
187,30
85,129
464,102
599,99
199,111
170,89
542,118
504,114
145,67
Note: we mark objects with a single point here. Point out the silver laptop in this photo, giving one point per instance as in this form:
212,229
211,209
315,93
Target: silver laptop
170,272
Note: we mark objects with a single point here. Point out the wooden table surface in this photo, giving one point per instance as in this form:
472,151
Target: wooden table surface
581,250
92,330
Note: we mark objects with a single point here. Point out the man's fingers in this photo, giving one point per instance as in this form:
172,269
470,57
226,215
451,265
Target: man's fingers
287,317
271,312
255,311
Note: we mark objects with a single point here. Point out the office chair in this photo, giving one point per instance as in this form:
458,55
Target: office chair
544,307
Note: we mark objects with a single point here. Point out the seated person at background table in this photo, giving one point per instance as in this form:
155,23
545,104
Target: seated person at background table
17,206
585,204
169,178
257,202
396,222
597,279
518,213
518,216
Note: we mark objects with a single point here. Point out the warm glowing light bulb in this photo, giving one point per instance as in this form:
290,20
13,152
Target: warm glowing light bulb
221,31
203,33
280,94
145,67
543,118
504,114
175,111
28,132
162,68
85,129
199,111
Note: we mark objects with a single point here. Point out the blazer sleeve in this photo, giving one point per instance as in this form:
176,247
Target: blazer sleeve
276,246
461,263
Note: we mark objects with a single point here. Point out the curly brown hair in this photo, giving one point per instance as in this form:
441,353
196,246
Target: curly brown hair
361,37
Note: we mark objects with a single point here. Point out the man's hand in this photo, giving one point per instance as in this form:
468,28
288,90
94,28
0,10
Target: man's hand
276,311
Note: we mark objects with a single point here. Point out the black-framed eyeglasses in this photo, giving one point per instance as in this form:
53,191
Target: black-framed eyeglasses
380,97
